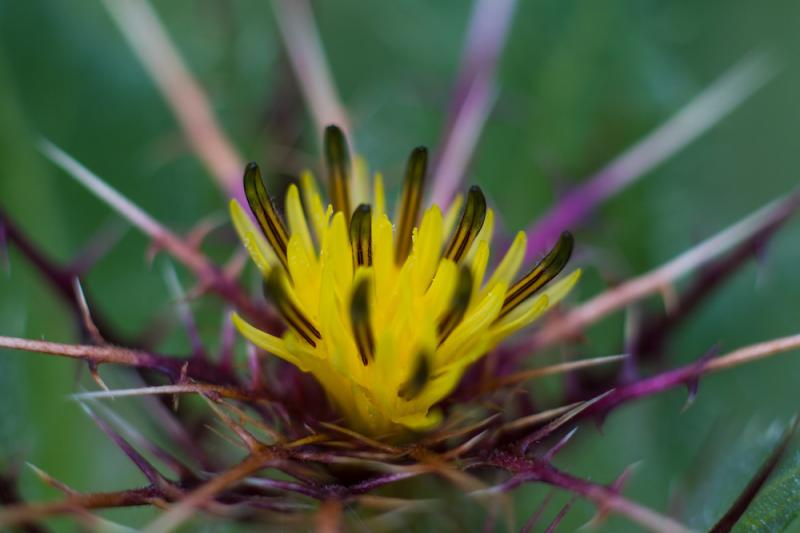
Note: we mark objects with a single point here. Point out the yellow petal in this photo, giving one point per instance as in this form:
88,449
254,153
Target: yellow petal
442,385
507,269
438,297
531,309
562,287
298,227
484,235
479,263
383,255
386,363
314,207
427,249
520,317
265,341
421,421
337,255
337,334
359,182
379,207
473,327
252,238
305,276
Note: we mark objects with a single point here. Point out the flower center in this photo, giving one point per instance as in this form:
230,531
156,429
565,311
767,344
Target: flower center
387,317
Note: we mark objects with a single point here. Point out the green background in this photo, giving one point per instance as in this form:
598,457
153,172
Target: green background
579,82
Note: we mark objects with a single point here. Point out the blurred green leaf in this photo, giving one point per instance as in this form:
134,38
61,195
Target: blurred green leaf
777,506
721,470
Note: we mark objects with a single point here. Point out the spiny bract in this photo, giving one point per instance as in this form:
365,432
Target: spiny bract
387,318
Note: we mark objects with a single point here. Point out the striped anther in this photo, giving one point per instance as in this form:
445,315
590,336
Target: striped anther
275,290
458,306
547,269
469,226
361,235
410,201
337,160
419,377
262,207
360,321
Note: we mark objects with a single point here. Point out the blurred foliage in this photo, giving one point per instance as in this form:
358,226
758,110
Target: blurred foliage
579,81
777,506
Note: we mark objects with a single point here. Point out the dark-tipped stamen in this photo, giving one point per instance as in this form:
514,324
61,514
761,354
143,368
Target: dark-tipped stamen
275,290
418,379
262,207
410,201
360,321
547,269
361,235
337,160
470,224
458,306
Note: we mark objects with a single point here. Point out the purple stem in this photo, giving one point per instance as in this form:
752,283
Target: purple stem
307,57
175,431
183,471
59,278
697,117
286,486
474,93
604,498
552,452
561,514
377,482
652,336
537,514
567,213
150,472
688,376
4,258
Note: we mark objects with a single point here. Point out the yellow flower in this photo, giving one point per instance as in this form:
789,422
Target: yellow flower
387,317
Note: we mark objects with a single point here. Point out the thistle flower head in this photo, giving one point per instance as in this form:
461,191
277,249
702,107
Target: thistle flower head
387,317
